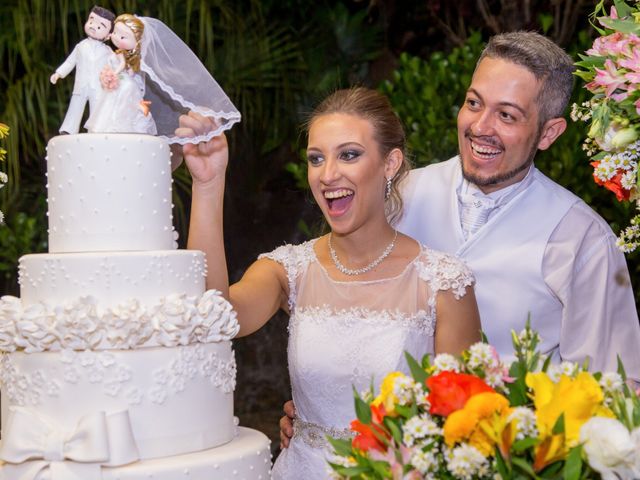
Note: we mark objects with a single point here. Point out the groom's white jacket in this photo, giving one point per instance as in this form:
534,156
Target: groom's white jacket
517,275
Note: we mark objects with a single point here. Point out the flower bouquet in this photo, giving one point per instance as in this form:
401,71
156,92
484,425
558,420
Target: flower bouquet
4,131
470,417
611,68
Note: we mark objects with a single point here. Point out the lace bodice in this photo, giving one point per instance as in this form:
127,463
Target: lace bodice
345,334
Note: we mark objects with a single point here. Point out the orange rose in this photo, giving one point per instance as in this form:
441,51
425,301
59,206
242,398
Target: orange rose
449,391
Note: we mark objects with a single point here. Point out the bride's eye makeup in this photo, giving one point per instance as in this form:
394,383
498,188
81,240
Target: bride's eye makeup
350,154
314,159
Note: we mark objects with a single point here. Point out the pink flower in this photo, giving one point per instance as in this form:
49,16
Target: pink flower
632,60
615,44
609,78
108,79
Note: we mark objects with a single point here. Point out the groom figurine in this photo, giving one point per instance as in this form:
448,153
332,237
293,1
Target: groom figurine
536,249
88,57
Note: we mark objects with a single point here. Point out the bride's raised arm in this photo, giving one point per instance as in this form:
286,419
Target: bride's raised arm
263,288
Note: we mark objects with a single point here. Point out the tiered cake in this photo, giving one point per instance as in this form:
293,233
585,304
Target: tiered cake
116,364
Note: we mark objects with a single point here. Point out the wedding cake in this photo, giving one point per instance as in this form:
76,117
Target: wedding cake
115,362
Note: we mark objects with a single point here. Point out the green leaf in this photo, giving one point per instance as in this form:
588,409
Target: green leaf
522,445
545,20
395,430
624,26
363,411
350,471
417,372
573,464
622,8
558,428
523,466
341,446
503,468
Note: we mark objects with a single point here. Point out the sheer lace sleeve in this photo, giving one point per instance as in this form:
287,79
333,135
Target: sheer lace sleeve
294,259
445,272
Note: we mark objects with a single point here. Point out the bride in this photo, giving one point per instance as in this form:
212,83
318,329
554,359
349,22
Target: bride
359,296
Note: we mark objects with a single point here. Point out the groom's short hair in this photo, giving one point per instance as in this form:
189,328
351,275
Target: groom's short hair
548,62
104,13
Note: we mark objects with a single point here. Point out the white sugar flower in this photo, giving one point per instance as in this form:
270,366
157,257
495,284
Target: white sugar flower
445,362
525,421
418,428
3,177
482,355
494,378
465,462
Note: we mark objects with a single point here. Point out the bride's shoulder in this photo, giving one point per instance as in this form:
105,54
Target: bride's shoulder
444,271
290,255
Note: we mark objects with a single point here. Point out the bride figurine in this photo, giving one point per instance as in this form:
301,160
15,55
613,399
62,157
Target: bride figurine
122,107
151,79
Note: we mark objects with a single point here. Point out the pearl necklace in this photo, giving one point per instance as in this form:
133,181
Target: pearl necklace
366,268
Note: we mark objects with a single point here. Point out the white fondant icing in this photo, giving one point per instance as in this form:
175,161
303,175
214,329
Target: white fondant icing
179,400
112,278
96,178
246,457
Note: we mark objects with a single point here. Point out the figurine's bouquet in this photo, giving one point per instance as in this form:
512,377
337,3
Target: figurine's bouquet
4,131
470,417
611,68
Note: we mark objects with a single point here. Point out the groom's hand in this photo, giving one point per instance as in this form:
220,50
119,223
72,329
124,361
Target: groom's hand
286,424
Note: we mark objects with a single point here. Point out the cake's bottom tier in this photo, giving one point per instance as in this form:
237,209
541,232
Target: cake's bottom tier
246,457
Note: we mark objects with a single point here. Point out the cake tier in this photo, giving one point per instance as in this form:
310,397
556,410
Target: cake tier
246,457
172,400
111,278
109,192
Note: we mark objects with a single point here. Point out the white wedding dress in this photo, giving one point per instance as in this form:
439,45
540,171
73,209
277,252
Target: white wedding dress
351,334
118,110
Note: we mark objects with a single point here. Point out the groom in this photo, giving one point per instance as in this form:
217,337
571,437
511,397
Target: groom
536,249
88,57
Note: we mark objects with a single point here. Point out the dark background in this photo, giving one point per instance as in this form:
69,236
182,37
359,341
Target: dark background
275,59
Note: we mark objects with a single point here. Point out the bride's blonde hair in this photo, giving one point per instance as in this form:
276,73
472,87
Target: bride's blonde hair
132,57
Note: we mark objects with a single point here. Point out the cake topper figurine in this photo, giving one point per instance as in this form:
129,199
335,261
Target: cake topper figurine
88,57
122,107
151,79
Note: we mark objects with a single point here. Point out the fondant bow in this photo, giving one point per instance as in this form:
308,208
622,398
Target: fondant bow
34,443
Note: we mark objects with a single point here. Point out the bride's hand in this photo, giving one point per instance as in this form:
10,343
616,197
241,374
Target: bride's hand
207,161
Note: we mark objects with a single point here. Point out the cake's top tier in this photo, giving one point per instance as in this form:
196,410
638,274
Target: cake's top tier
109,192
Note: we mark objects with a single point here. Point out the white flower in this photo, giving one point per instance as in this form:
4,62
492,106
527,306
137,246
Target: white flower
611,449
628,180
465,462
445,362
482,355
525,421
565,368
611,382
344,461
417,428
425,462
403,389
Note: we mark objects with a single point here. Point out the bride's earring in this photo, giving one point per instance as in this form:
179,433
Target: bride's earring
387,189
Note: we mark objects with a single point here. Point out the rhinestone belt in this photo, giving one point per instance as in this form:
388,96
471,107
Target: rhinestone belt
316,435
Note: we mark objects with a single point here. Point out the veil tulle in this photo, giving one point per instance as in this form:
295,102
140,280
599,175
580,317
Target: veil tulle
179,82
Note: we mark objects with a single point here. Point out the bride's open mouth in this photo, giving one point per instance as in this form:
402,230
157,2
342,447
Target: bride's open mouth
338,201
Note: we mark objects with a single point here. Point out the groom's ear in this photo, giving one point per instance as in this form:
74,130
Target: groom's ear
551,130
